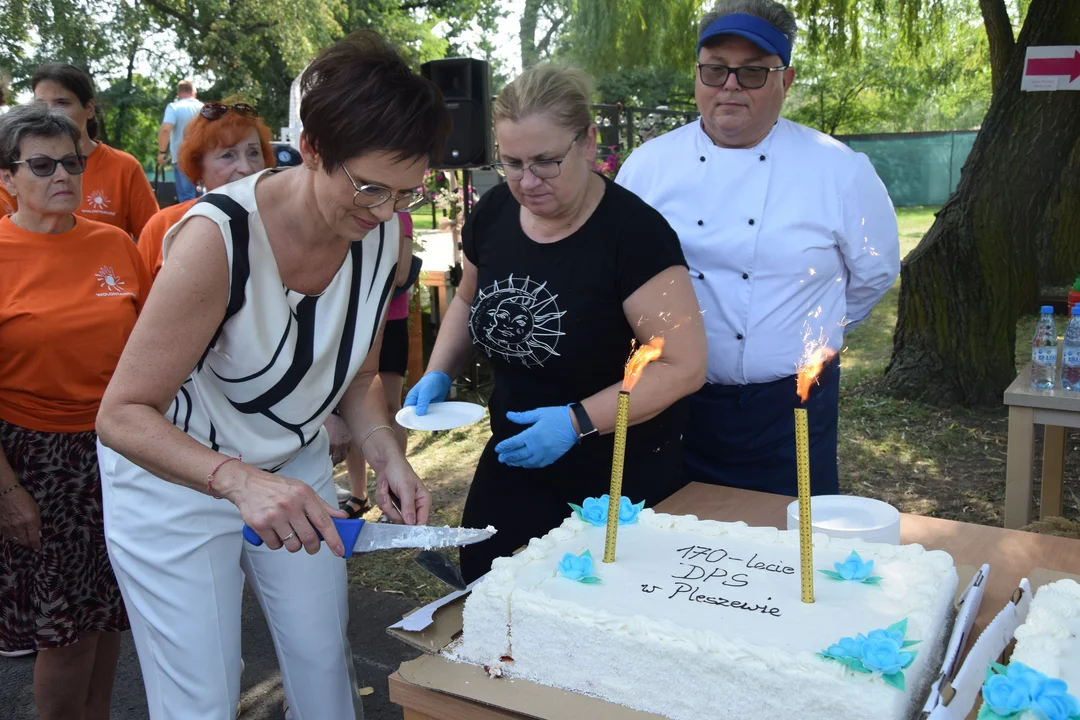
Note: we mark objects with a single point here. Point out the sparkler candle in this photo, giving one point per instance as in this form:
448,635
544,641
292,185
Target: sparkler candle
634,366
814,361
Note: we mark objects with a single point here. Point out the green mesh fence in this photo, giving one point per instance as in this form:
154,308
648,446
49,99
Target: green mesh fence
917,168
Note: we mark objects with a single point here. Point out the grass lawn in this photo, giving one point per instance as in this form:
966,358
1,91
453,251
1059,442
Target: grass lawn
947,463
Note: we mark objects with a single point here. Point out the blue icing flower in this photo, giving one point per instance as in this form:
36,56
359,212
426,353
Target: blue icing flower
1011,690
847,647
1005,696
594,510
628,511
1054,700
854,568
576,567
882,653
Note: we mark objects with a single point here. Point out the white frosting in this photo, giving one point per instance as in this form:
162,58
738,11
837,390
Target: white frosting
694,616
1047,641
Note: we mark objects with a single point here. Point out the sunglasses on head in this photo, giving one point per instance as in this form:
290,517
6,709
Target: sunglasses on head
216,110
44,166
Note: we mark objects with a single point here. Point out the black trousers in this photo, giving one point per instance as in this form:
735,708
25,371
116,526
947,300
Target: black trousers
744,435
522,504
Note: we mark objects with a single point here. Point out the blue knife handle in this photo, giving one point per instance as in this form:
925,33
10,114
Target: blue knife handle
348,529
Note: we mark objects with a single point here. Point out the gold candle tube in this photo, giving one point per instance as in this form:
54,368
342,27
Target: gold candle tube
806,530
622,418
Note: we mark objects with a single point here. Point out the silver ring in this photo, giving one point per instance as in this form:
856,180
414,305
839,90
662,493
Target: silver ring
292,534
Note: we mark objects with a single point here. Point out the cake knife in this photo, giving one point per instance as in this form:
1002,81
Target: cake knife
361,536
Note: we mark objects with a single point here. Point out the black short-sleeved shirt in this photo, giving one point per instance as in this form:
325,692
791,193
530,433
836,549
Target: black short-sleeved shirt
549,316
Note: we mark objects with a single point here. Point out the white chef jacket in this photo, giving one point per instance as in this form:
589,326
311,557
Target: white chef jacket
792,240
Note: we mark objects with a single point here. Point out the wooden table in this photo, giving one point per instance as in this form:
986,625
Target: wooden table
1012,554
1056,410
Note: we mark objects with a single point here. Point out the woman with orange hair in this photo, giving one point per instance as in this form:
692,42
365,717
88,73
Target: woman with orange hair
222,144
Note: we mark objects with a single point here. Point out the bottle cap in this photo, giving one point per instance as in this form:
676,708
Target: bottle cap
1076,285
1047,309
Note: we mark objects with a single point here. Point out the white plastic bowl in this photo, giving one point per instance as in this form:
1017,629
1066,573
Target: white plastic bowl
847,516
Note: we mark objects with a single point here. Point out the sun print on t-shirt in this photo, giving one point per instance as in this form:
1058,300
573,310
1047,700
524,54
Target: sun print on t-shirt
517,318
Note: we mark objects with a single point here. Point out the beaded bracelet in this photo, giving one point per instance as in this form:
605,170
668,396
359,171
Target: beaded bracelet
372,432
16,486
210,478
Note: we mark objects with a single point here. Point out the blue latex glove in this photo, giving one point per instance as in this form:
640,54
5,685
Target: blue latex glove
432,388
551,435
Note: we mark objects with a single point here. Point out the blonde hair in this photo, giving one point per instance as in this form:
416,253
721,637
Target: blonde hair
185,85
563,93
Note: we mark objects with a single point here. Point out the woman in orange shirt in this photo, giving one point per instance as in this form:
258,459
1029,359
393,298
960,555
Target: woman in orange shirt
221,144
71,292
114,187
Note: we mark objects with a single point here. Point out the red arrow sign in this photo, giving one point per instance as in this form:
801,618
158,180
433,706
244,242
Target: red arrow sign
1055,66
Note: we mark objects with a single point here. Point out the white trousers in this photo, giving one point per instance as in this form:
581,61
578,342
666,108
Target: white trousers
181,563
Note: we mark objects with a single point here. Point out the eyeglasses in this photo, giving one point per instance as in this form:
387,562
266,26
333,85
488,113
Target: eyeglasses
542,169
216,110
750,77
369,196
44,166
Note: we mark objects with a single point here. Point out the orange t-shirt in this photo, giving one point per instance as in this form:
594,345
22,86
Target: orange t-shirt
150,240
67,305
115,191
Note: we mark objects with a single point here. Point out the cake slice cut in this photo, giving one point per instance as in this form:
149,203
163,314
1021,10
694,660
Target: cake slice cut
1043,675
699,619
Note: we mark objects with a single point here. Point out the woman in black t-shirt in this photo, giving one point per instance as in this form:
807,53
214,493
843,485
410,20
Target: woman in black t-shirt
563,270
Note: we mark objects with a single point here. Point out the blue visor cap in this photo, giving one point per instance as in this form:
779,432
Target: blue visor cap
760,32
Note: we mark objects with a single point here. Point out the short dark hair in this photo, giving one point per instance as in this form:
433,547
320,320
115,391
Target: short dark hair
360,96
28,121
75,80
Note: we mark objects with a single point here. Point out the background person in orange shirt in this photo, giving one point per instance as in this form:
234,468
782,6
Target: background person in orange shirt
221,144
71,292
114,187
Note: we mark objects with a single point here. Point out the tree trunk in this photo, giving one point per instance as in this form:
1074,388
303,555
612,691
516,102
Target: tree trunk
121,115
1012,224
999,32
527,33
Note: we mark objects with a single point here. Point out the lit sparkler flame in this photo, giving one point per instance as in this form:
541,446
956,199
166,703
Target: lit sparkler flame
637,362
815,356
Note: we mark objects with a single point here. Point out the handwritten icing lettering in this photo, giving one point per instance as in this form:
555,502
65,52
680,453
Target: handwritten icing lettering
692,594
696,572
714,556
755,564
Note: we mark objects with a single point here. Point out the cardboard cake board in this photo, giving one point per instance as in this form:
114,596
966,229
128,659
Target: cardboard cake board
471,682
994,644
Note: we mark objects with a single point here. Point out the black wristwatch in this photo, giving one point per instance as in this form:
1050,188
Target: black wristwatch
585,426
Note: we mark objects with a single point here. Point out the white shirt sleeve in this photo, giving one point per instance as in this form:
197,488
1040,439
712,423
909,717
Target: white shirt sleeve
170,114
627,174
869,241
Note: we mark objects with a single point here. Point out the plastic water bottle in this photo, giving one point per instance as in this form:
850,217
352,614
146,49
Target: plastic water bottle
1044,351
1070,353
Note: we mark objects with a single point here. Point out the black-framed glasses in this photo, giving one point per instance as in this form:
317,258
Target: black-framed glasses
751,77
369,196
45,166
216,110
542,169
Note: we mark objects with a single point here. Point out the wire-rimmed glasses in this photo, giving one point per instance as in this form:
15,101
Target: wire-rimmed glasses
369,195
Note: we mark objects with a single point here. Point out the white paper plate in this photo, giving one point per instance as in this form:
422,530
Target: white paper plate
440,416
850,516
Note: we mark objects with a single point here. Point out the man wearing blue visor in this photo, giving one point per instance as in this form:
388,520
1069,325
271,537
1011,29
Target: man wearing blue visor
790,238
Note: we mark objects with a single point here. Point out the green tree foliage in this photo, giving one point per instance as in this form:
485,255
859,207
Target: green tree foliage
887,84
136,50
